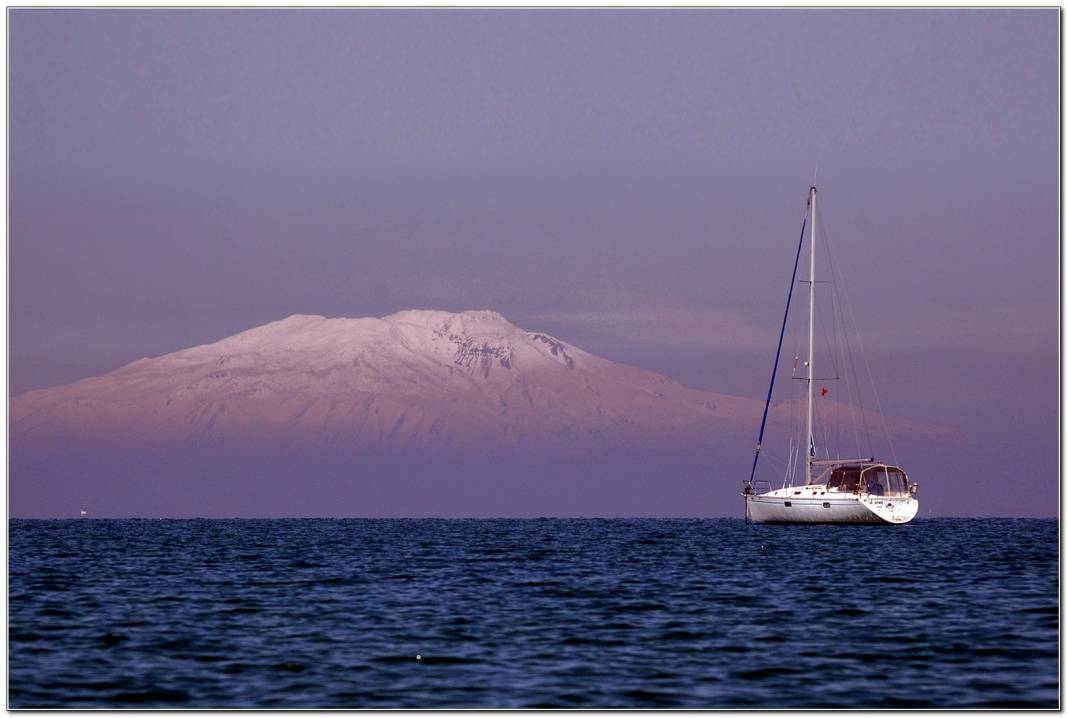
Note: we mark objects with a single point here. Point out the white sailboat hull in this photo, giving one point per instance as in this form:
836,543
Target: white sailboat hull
783,506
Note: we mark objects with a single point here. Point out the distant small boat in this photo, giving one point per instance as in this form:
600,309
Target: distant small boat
84,512
835,490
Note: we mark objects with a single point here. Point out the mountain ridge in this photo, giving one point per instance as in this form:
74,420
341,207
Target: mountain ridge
415,377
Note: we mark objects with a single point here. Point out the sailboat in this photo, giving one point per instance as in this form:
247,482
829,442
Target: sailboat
835,489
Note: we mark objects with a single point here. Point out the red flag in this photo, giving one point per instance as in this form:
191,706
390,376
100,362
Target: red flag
823,391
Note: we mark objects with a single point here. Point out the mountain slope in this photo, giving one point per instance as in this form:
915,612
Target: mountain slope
411,379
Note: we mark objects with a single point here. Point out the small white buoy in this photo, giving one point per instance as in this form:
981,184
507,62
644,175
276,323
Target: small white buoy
418,656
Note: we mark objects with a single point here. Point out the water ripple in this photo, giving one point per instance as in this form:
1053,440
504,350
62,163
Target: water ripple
532,613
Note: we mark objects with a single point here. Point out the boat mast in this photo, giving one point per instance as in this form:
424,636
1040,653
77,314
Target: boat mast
811,322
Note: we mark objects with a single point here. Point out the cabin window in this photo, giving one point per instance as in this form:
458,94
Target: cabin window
844,479
897,484
885,482
875,482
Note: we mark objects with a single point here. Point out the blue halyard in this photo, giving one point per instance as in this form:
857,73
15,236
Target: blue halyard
778,351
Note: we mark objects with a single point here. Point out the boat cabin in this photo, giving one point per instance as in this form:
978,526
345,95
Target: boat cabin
871,479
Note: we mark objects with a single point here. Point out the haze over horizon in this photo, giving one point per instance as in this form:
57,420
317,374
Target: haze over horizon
630,181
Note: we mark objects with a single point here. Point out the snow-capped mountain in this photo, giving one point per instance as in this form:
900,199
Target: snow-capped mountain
411,379
420,413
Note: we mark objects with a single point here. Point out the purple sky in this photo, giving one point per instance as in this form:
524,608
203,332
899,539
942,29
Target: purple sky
630,180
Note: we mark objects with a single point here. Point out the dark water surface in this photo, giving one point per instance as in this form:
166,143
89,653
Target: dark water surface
544,612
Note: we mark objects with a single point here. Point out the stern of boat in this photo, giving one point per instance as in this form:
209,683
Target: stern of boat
892,510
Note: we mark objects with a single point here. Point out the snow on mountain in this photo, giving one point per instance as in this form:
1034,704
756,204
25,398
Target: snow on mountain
416,378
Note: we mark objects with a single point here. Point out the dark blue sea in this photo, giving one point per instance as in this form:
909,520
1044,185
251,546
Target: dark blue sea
532,613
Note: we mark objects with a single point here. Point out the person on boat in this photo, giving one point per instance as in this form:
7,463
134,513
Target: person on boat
875,487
